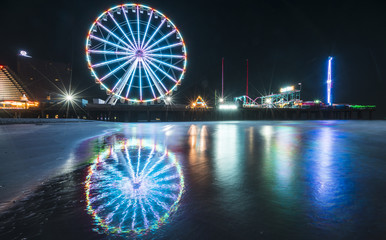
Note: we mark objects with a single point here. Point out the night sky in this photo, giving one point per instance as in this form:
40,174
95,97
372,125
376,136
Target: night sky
286,42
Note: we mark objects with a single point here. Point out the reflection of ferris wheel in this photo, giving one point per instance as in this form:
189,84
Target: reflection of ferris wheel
135,53
133,186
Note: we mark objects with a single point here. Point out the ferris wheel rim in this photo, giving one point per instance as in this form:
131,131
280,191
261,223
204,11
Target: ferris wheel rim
131,45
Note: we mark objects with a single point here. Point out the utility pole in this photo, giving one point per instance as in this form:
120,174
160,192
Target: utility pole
247,82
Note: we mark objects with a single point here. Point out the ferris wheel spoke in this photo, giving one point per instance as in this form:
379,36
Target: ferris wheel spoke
113,34
123,32
111,61
165,55
155,32
140,90
134,214
154,165
116,69
138,31
139,151
155,213
127,155
144,213
147,28
108,42
162,71
109,52
153,75
155,81
166,64
166,47
147,160
161,39
128,24
148,79
122,81
131,79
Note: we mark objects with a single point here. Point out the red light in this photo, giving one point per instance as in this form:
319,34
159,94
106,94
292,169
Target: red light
1,66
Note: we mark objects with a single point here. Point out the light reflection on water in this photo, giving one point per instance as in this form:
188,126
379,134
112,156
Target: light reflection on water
231,180
133,186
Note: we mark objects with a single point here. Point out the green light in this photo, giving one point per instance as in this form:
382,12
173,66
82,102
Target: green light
362,106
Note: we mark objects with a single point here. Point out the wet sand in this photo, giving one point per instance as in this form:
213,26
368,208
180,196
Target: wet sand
32,152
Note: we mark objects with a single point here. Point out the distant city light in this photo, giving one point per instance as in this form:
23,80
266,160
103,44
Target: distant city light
24,54
287,89
228,107
221,100
268,100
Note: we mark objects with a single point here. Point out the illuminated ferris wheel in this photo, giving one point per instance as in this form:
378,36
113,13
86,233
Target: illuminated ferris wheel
136,54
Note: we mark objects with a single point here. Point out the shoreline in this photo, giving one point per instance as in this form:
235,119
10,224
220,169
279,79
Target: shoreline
32,154
6,121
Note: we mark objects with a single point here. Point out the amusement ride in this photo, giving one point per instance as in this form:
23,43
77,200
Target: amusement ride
136,54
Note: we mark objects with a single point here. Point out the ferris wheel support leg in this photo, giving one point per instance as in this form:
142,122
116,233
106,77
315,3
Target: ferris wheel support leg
113,98
125,78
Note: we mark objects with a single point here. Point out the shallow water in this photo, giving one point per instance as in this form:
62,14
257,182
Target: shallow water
217,180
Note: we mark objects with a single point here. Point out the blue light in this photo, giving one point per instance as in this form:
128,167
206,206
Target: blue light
148,79
152,73
110,43
110,32
116,69
166,47
147,27
161,39
131,31
133,186
329,82
132,44
112,61
171,78
155,32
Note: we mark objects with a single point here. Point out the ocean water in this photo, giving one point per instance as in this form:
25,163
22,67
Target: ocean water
216,180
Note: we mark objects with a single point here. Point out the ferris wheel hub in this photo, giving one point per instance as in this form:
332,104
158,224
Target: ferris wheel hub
139,53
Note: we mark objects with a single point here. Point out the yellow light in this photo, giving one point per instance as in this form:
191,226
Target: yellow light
199,103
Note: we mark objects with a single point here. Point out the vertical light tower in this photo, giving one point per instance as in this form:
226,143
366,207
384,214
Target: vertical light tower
329,82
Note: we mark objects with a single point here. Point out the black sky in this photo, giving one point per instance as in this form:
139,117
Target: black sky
286,42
